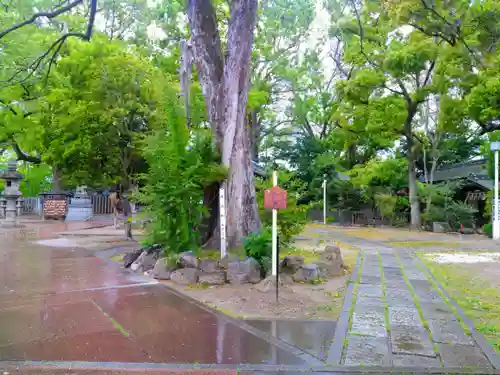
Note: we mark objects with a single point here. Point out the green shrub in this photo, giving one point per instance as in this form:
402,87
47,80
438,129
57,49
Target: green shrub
488,230
180,166
258,245
330,219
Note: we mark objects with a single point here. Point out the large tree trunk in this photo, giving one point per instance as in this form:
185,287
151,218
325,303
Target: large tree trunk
225,84
412,177
57,185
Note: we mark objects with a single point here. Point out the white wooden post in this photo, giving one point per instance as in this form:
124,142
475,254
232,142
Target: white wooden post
275,259
222,213
324,199
495,147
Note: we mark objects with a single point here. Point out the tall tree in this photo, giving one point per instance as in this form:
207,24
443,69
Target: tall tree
224,78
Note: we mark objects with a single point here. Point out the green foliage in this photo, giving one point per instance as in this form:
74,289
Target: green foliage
441,206
36,179
259,246
180,167
291,221
386,203
379,176
488,230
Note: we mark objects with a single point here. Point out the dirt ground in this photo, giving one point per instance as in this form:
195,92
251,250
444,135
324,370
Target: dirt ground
297,301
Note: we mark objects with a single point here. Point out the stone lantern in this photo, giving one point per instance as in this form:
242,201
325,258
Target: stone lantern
11,204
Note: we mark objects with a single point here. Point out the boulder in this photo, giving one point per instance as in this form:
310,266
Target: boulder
208,265
188,259
212,278
308,272
130,257
144,262
269,283
161,270
291,264
224,262
185,276
156,248
244,271
331,262
465,230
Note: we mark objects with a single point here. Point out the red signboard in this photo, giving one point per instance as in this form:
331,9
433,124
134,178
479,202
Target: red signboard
275,198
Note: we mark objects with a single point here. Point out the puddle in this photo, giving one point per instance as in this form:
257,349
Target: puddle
58,242
464,258
313,337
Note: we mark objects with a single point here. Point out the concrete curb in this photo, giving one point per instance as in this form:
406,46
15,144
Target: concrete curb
336,349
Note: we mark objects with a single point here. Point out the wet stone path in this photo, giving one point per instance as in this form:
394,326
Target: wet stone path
398,317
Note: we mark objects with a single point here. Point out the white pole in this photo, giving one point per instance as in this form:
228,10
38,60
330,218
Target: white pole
324,201
496,223
275,259
222,216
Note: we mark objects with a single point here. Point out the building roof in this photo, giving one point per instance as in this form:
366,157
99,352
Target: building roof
475,171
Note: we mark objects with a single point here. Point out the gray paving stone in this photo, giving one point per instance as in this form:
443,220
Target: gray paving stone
391,279
367,279
454,355
423,285
430,296
396,283
404,316
369,302
418,275
368,317
371,271
365,328
411,340
399,297
448,332
363,350
415,361
369,290
374,306
437,310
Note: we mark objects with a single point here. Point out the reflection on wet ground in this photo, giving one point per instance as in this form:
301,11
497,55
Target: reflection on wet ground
64,304
313,337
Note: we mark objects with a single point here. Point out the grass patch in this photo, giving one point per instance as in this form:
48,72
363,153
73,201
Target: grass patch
423,244
478,300
310,256
117,258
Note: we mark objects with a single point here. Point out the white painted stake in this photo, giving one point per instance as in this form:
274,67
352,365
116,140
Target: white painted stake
324,201
222,213
496,223
275,259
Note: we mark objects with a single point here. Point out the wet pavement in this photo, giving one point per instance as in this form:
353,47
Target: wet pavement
65,311
65,304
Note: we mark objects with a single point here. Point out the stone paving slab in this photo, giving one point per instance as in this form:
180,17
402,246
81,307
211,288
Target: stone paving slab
363,350
368,290
437,310
415,361
362,328
366,279
404,316
462,355
449,332
411,340
369,302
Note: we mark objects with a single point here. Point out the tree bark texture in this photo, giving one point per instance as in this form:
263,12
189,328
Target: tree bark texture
225,84
412,177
